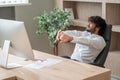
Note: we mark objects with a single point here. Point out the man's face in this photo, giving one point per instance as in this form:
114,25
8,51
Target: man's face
91,27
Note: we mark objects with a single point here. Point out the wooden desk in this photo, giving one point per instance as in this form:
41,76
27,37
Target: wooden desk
65,70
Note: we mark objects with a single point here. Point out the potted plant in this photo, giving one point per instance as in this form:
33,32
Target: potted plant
50,23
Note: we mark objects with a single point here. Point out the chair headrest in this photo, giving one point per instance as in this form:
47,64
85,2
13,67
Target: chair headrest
107,33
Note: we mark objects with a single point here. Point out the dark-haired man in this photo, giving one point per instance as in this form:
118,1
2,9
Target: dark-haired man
89,43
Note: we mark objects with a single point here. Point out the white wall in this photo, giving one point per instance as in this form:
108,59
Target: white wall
26,14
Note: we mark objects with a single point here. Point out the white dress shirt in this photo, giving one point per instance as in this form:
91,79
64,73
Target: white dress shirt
87,47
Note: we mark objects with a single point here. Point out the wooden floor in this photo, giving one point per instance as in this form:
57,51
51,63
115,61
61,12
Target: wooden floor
113,62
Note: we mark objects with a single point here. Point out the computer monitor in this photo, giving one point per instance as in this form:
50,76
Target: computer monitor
15,32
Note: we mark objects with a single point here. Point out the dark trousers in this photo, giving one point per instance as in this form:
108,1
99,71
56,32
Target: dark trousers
67,57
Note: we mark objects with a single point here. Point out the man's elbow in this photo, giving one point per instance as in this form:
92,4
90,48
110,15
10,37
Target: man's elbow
101,45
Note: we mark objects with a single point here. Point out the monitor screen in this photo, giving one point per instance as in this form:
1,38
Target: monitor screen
15,32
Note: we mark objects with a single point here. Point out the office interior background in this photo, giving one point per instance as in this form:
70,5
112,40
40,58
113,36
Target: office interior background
26,13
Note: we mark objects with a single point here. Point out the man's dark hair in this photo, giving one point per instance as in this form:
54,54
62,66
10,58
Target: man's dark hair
100,23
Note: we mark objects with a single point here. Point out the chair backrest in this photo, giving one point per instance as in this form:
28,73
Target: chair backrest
101,58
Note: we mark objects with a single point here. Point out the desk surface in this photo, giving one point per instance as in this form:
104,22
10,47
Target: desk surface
65,70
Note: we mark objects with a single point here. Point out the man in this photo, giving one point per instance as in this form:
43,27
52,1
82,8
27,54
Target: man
89,43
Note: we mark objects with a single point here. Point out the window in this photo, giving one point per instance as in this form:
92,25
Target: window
13,1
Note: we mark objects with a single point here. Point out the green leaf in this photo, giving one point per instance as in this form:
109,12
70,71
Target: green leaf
51,22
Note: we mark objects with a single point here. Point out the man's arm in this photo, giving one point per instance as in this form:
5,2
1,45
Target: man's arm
67,36
96,42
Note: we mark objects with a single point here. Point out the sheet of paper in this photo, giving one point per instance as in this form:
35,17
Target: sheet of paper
40,64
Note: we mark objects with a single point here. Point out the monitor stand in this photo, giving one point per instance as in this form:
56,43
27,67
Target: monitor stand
4,57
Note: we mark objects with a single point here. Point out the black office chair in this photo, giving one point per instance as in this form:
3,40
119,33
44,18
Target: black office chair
101,58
